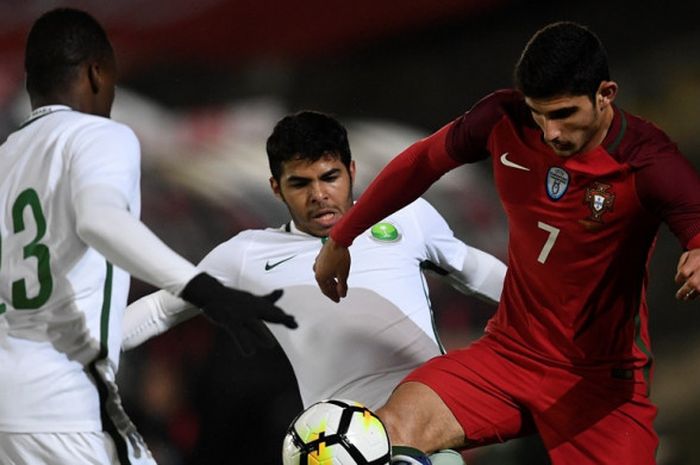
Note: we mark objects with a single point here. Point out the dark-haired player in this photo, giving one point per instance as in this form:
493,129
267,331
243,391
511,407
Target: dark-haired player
385,328
585,186
69,236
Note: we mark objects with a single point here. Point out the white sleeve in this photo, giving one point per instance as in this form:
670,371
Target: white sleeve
105,188
104,223
468,269
156,313
106,154
152,315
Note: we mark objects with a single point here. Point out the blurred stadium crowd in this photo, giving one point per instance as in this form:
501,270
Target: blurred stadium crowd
203,84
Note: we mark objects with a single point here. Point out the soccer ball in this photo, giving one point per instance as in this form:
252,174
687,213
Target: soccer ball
336,432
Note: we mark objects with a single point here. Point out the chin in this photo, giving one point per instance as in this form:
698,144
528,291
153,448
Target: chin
565,153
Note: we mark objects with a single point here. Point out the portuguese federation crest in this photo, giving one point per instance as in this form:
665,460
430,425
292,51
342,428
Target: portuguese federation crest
557,182
599,200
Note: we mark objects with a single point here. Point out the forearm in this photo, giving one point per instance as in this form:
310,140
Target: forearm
153,315
401,182
106,225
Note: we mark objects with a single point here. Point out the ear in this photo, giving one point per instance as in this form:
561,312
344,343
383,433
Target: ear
95,77
275,186
607,91
352,171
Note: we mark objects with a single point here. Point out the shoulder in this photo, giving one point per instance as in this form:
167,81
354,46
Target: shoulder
235,244
421,214
640,142
229,254
418,208
470,132
84,122
503,102
239,244
503,98
87,130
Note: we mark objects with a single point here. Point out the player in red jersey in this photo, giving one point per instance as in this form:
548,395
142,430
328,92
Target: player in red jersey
585,186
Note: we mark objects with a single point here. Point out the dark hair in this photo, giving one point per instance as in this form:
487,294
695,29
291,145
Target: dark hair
562,58
306,135
58,42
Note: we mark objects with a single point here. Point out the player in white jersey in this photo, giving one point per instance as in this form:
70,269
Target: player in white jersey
361,348
69,236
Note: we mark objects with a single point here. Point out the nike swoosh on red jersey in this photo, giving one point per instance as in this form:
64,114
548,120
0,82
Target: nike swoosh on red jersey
510,164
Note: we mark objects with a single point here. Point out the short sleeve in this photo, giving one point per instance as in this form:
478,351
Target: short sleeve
442,247
106,154
225,262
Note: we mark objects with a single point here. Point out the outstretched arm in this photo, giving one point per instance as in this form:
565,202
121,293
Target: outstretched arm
152,315
402,181
104,223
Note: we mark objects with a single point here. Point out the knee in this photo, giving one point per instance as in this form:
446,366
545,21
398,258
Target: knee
403,415
398,423
415,416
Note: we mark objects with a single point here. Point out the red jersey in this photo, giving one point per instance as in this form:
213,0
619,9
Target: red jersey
581,227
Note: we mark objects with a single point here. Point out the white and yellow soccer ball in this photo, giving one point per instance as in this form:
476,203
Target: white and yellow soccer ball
336,432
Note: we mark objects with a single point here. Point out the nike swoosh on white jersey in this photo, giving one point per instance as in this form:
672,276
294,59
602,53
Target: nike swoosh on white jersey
510,164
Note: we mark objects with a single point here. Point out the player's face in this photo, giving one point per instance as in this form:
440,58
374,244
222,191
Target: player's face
574,124
317,194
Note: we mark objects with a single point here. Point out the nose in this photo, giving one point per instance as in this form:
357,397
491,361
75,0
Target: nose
318,192
551,129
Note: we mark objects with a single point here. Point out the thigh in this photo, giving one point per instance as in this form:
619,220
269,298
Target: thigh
57,448
479,388
599,420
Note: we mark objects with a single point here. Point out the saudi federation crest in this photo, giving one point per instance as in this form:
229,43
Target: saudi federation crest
557,182
599,199
385,232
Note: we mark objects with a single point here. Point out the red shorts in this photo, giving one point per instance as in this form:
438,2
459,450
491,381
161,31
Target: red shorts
584,416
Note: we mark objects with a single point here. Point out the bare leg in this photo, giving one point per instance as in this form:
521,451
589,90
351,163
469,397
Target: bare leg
415,416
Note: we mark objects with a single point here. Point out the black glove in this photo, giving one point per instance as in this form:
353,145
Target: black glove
240,313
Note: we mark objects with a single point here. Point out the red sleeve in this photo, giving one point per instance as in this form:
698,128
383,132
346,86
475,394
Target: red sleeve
667,184
414,170
401,182
468,139
670,187
693,243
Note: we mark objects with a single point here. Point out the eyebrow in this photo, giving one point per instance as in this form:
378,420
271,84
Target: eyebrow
330,172
558,113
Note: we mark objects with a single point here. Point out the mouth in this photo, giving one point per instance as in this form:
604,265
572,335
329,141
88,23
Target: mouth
561,147
326,217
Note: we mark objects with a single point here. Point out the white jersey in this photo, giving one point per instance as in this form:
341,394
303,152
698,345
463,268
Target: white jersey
361,348
61,302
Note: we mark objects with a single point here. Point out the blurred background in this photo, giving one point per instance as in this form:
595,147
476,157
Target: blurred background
202,84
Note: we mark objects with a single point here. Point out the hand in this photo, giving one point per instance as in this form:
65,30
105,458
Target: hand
332,267
246,328
688,275
238,312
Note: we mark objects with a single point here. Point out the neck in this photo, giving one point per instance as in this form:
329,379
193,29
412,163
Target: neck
69,99
606,122
606,118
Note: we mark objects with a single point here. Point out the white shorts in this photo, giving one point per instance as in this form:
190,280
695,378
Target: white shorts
89,448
